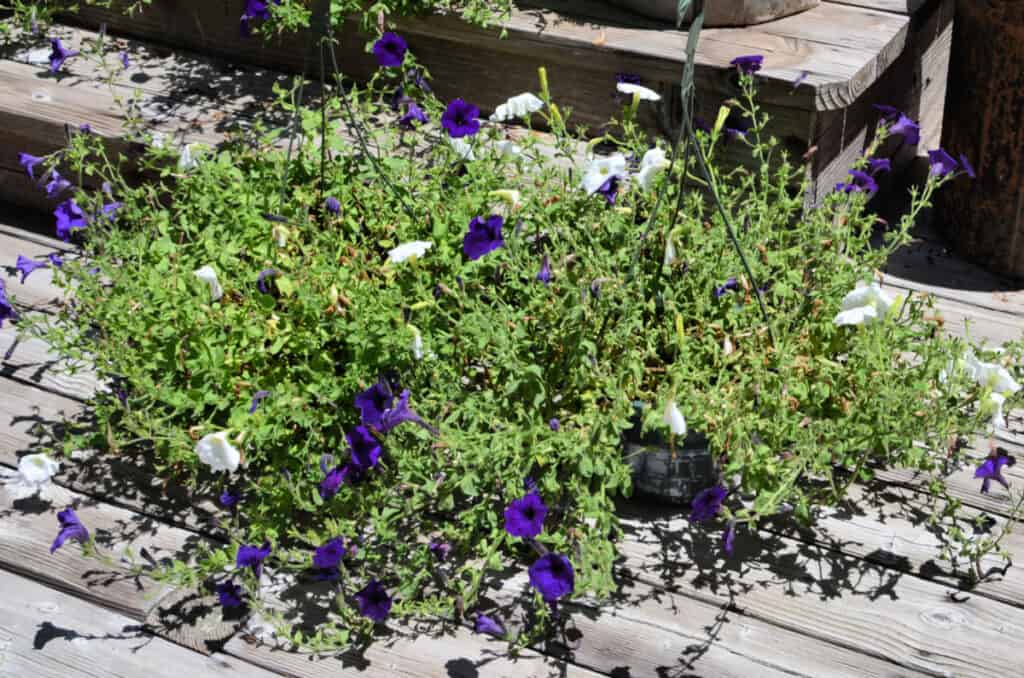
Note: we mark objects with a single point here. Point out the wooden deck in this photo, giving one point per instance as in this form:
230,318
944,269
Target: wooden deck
862,594
846,54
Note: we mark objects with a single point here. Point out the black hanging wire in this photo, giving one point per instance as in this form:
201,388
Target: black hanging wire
687,138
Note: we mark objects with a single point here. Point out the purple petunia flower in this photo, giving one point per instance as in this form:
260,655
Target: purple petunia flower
609,189
401,413
7,311
876,165
261,279
333,480
730,284
254,9
707,503
328,556
398,98
553,576
413,113
70,528
109,211
906,128
992,469
123,56
252,556
374,601
941,163
56,185
29,162
257,398
390,50
55,259
554,424
69,216
968,167
229,498
544,275
365,448
25,266
483,236
85,128
58,54
373,402
415,75
439,550
485,624
736,125
627,78
748,65
461,119
862,182
229,595
728,537
524,517
333,206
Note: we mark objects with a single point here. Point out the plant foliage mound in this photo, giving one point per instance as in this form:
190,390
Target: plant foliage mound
404,359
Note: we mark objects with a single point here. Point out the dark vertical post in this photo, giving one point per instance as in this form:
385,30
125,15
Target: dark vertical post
984,218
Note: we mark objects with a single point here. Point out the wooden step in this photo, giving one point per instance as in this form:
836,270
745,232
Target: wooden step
847,56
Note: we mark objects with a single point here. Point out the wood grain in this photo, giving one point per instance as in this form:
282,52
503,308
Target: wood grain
827,595
557,35
48,634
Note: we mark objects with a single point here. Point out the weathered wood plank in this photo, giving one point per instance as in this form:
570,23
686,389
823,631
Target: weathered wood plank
914,83
897,6
560,34
37,292
32,360
26,535
928,265
888,525
48,634
829,595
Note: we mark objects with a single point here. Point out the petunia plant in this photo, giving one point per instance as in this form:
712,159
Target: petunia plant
404,358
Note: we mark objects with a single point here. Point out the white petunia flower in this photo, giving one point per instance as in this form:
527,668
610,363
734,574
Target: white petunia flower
462,148
32,477
209,276
520,106
645,93
217,452
417,343
995,401
990,375
186,160
670,253
416,248
601,170
653,163
280,235
508,149
674,419
864,305
157,139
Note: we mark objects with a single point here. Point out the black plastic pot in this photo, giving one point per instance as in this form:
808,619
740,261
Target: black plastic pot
666,474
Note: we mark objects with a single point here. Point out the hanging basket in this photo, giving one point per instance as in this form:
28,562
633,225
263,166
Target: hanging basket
720,12
669,474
